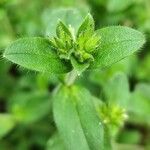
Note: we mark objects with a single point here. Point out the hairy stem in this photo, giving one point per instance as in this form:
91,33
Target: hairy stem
71,77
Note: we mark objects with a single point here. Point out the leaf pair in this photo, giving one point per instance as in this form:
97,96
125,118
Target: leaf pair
39,54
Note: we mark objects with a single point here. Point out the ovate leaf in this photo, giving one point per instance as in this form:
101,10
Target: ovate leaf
117,42
36,54
77,120
116,90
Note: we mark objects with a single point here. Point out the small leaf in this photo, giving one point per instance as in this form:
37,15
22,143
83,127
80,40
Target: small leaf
59,43
117,42
36,54
77,120
64,41
62,31
87,27
7,123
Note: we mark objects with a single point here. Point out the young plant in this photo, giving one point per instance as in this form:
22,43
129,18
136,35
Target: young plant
71,52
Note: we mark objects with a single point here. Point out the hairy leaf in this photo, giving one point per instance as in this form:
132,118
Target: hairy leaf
36,54
87,27
77,119
62,31
117,42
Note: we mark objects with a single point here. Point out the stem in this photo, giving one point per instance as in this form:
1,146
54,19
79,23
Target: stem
71,77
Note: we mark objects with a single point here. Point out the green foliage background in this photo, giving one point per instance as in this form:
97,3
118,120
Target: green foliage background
26,119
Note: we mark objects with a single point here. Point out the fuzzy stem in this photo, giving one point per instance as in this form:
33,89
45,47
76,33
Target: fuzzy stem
71,77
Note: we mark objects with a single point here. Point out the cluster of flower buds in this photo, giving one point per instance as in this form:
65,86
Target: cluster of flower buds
81,45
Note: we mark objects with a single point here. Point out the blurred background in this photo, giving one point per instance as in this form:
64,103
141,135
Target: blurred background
26,121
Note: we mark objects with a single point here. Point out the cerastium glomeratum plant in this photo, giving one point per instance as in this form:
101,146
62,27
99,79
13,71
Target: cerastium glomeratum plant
82,120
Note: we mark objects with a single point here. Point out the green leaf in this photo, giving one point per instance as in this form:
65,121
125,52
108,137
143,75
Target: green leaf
36,54
116,90
117,5
127,65
77,120
62,31
63,43
87,27
7,123
117,42
139,108
26,105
